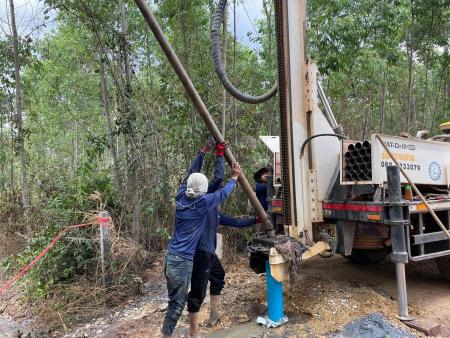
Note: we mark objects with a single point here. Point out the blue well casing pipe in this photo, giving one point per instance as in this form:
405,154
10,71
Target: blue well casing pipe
275,304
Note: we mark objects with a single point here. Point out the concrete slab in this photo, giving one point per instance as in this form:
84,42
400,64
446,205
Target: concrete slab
428,327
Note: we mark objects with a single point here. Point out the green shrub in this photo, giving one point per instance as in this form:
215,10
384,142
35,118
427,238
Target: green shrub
75,252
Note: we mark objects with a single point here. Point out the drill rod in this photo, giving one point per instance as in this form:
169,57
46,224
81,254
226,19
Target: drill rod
199,104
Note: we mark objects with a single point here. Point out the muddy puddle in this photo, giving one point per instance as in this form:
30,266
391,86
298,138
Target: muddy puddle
254,330
10,329
249,330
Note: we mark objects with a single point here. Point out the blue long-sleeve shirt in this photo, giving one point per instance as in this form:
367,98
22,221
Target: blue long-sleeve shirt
261,194
191,214
208,241
218,175
196,167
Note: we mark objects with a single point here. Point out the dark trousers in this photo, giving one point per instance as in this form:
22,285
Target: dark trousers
178,272
207,267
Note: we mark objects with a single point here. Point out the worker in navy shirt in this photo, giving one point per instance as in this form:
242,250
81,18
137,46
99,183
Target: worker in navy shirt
193,204
261,186
207,266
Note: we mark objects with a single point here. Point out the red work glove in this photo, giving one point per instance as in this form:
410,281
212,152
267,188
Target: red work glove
259,219
207,146
220,148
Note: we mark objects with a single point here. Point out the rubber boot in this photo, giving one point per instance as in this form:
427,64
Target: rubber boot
213,312
193,325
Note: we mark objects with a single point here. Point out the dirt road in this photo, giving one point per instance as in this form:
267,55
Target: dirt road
428,294
331,293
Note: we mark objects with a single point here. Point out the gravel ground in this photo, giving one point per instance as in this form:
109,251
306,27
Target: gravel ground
373,325
333,298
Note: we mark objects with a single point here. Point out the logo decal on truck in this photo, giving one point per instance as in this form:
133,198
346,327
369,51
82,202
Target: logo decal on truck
403,146
434,170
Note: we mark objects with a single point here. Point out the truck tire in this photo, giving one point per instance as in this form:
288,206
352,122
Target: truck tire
368,256
443,264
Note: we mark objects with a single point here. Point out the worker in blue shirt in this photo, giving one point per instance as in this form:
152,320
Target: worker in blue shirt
261,186
193,204
207,266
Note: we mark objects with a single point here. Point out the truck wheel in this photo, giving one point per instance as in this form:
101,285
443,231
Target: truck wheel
443,264
368,256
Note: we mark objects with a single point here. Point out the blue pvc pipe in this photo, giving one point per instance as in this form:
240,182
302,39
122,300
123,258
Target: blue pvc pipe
274,296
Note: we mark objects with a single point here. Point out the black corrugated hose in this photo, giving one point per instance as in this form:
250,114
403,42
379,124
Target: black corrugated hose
218,65
309,139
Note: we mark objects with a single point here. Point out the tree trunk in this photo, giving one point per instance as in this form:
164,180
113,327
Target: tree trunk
236,141
410,53
2,160
366,124
410,86
268,11
73,160
20,134
367,114
426,102
133,162
383,101
446,81
11,159
224,54
111,139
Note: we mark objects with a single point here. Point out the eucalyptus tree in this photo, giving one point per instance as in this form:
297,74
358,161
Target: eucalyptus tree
18,108
379,58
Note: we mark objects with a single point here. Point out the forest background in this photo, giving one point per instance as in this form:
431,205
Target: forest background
92,115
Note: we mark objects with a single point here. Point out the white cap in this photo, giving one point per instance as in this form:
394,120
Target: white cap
197,185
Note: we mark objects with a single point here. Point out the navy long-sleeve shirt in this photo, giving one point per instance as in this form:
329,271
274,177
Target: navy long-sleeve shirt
208,241
261,194
218,175
191,214
196,167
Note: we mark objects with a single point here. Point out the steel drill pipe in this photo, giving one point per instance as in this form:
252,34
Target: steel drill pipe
361,155
362,168
366,144
364,152
351,147
354,152
355,168
362,177
358,145
199,104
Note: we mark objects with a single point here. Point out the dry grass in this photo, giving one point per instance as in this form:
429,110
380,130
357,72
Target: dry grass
12,227
85,297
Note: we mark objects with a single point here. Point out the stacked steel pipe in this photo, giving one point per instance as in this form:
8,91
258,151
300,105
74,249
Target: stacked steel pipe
358,162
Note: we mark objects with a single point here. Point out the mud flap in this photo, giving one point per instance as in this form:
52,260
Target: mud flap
346,234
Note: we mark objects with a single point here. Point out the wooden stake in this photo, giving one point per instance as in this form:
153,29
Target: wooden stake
105,247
